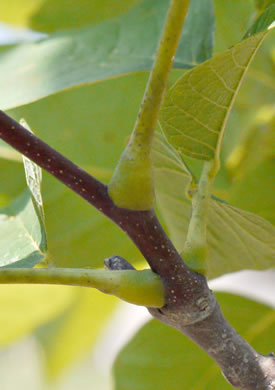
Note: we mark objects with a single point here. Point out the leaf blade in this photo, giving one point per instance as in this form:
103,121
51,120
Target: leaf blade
227,253
211,86
23,241
94,53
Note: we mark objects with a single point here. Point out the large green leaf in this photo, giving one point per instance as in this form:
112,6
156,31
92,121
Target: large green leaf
261,24
233,18
63,14
8,152
263,4
160,357
253,192
25,308
73,333
22,231
51,15
258,82
197,40
88,55
237,239
196,108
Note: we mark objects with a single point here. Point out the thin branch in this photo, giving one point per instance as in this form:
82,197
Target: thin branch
142,227
148,115
139,287
132,184
55,163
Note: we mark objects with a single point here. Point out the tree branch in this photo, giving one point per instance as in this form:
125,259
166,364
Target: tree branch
141,226
190,305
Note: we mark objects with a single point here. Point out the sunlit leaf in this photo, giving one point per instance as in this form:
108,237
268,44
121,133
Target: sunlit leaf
196,108
253,192
91,54
22,231
24,308
55,15
71,335
8,153
18,12
52,15
160,357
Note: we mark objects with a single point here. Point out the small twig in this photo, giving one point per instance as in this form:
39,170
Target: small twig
148,114
139,287
132,184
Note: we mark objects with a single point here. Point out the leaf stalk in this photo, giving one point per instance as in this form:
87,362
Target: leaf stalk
138,287
132,183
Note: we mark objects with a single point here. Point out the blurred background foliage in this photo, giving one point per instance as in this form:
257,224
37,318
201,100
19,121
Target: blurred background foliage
90,124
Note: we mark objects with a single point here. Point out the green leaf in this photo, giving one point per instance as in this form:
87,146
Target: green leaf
233,19
263,4
159,357
52,15
23,240
237,239
88,55
196,108
71,335
263,22
253,192
197,40
7,152
24,308
66,14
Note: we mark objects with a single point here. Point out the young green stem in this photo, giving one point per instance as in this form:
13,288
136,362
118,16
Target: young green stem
139,287
195,247
132,183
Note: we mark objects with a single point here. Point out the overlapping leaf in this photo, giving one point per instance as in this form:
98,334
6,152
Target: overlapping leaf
263,4
160,357
72,334
266,19
25,308
88,55
253,191
22,231
196,108
237,239
55,15
232,21
52,15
